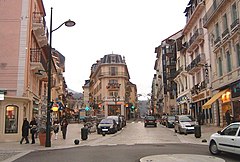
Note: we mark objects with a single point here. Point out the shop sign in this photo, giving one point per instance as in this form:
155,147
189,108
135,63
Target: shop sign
198,97
235,88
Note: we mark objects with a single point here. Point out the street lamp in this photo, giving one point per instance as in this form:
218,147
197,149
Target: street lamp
68,23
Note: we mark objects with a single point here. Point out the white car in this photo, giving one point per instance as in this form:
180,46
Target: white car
227,140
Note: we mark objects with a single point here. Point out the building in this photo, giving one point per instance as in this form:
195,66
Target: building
23,66
110,89
165,66
193,63
222,22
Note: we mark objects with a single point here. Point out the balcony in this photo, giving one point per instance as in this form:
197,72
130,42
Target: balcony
113,86
39,28
171,64
169,52
235,26
196,64
184,47
213,10
196,8
196,89
171,76
112,74
38,62
197,37
225,34
217,42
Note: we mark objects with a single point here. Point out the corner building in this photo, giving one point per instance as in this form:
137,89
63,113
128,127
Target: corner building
110,91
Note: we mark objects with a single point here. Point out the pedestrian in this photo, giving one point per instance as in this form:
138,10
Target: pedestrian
202,118
56,128
228,117
64,125
25,131
33,129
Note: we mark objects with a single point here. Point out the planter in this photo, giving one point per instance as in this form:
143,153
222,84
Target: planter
42,138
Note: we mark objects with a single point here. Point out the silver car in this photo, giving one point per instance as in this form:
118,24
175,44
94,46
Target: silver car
184,124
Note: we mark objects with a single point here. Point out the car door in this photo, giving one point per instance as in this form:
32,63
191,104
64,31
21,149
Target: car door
226,140
237,141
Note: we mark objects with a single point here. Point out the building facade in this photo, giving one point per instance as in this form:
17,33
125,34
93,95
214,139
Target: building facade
23,66
222,22
110,91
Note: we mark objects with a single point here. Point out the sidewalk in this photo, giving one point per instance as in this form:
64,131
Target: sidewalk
12,150
206,132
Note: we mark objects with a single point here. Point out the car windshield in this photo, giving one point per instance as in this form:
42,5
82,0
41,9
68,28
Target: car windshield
171,117
150,118
185,118
106,121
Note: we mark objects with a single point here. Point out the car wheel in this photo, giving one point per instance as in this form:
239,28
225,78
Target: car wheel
155,125
213,148
145,125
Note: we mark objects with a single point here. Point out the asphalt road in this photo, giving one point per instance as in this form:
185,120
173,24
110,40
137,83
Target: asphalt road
119,153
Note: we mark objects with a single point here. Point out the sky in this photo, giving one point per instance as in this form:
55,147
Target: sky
130,28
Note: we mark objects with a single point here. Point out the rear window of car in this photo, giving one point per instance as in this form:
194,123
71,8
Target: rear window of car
171,117
150,117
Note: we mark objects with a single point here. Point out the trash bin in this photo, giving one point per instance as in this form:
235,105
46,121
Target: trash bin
197,131
84,133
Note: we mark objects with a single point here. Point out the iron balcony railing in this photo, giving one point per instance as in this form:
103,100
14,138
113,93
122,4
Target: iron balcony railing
234,24
225,33
113,74
195,36
200,59
36,56
212,10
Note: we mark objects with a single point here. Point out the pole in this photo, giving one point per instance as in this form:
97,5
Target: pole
48,124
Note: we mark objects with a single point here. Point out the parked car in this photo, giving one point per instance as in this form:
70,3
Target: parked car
170,121
107,126
163,120
117,119
184,124
227,140
150,120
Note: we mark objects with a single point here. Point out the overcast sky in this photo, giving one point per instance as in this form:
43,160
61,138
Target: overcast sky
131,28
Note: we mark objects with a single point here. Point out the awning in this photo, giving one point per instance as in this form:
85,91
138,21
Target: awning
208,104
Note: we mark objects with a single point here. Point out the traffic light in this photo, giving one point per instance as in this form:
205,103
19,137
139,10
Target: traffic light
132,107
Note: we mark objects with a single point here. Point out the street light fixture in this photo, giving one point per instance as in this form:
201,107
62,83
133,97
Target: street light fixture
68,23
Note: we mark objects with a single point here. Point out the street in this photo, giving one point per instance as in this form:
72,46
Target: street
129,145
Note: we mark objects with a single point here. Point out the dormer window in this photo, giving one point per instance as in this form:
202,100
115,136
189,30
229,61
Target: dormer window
113,59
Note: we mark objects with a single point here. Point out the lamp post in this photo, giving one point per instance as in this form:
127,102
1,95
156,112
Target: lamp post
68,23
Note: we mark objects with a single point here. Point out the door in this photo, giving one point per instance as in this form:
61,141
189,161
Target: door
237,142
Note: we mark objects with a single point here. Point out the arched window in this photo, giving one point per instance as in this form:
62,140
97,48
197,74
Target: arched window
11,119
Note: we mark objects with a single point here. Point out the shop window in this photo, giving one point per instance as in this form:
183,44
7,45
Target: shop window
11,119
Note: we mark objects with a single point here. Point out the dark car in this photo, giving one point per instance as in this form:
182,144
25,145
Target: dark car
107,126
150,120
170,121
118,121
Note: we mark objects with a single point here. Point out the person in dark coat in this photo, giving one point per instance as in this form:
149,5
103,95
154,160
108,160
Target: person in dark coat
228,117
64,125
25,131
33,129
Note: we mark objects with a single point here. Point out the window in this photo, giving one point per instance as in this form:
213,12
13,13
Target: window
234,12
231,130
113,93
217,32
225,24
229,65
220,71
11,119
113,70
113,81
238,54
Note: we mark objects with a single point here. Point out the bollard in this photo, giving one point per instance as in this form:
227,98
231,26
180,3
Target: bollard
197,131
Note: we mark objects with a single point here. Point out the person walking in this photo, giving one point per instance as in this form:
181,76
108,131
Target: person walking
228,117
64,125
56,128
25,131
33,129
